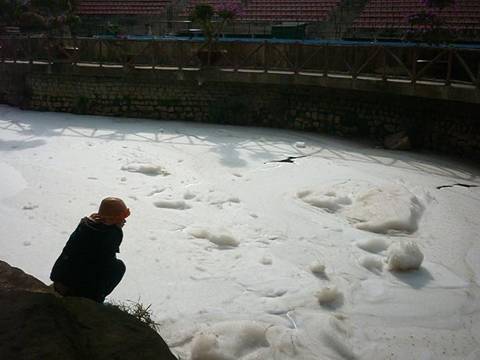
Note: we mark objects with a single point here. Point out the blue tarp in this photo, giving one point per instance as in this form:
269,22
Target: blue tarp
293,41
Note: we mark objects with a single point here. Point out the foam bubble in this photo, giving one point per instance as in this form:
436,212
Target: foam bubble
371,262
266,260
230,340
327,200
146,169
373,245
329,295
317,267
189,195
222,238
30,207
170,204
404,256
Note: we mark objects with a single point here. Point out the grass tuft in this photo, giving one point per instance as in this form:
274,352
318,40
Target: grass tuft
136,309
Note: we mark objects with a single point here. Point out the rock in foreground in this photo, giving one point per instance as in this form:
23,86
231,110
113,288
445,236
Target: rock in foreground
37,324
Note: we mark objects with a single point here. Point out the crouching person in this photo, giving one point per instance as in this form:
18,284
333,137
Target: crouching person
88,266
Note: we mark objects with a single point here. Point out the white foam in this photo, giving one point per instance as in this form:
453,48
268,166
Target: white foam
188,195
30,207
404,256
222,238
230,340
317,267
329,295
155,191
337,339
373,245
407,314
205,346
300,144
385,210
371,262
324,199
172,204
274,292
472,259
146,169
266,260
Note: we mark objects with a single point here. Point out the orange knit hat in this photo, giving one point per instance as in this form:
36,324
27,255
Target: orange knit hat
112,210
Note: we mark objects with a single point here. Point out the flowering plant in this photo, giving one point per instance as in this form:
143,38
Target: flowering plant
213,20
428,24
426,18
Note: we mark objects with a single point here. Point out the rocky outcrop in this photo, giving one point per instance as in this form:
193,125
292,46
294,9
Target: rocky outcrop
35,323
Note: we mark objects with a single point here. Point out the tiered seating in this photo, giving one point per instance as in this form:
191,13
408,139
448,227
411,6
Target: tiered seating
215,3
393,14
289,10
278,10
121,7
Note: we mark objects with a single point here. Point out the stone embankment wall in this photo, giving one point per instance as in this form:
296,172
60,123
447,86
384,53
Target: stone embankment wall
444,126
12,83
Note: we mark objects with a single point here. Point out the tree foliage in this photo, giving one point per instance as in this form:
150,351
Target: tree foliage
38,15
212,20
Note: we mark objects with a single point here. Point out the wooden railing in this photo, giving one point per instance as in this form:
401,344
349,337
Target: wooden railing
409,64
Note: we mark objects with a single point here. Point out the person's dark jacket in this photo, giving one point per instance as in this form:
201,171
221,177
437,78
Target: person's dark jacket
87,258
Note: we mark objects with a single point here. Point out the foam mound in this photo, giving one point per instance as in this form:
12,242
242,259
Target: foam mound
146,169
222,238
231,340
373,245
390,209
317,268
371,262
329,295
325,199
170,204
386,209
404,256
337,337
266,260
188,195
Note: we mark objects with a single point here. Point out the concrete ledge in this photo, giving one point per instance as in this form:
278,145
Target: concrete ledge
423,89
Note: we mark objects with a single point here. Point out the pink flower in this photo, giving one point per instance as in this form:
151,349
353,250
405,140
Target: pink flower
229,9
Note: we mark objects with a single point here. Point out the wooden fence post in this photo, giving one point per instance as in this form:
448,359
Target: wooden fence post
30,56
325,60
414,66
265,56
449,68
100,51
297,57
49,55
